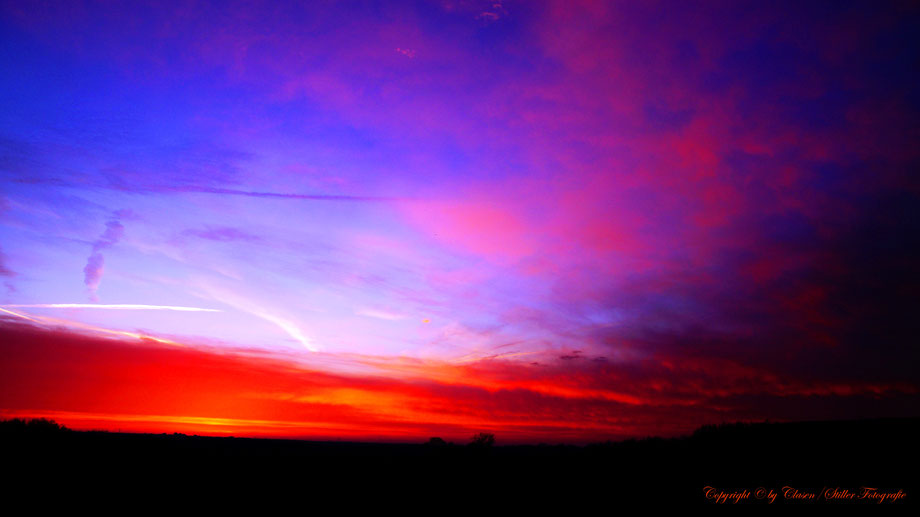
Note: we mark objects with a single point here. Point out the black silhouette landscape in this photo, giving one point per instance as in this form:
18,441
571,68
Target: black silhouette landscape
826,459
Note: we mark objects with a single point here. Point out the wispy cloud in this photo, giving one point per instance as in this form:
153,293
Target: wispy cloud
4,270
277,195
147,188
19,315
117,306
77,326
381,315
222,234
493,12
409,53
288,326
95,263
253,307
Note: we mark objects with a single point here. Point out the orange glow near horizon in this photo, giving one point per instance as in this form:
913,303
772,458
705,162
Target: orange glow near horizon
89,382
94,381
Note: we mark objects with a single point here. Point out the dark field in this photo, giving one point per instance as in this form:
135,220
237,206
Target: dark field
810,457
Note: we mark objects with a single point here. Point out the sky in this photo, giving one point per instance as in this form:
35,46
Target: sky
552,221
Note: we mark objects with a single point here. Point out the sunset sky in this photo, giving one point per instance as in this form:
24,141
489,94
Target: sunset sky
553,221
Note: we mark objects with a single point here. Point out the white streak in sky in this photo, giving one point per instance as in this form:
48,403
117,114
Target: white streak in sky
253,307
289,327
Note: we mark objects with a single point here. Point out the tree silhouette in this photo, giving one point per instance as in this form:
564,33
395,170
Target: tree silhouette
32,426
483,440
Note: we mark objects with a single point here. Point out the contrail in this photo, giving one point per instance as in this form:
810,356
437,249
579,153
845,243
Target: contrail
289,327
118,306
281,195
23,316
54,321
252,307
216,190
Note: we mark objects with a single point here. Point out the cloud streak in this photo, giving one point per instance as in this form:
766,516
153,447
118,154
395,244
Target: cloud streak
95,263
253,307
4,270
269,195
116,306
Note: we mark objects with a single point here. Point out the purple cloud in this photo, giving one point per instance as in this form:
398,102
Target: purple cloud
222,234
4,270
95,264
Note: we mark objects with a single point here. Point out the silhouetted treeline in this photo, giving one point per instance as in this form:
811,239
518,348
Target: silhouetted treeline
879,453
31,426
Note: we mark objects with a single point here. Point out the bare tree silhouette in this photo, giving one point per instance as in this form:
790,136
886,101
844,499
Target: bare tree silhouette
32,426
483,440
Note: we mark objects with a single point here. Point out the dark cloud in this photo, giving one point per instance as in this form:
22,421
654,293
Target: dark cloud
836,317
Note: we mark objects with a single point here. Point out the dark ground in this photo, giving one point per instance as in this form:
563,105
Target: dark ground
810,457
